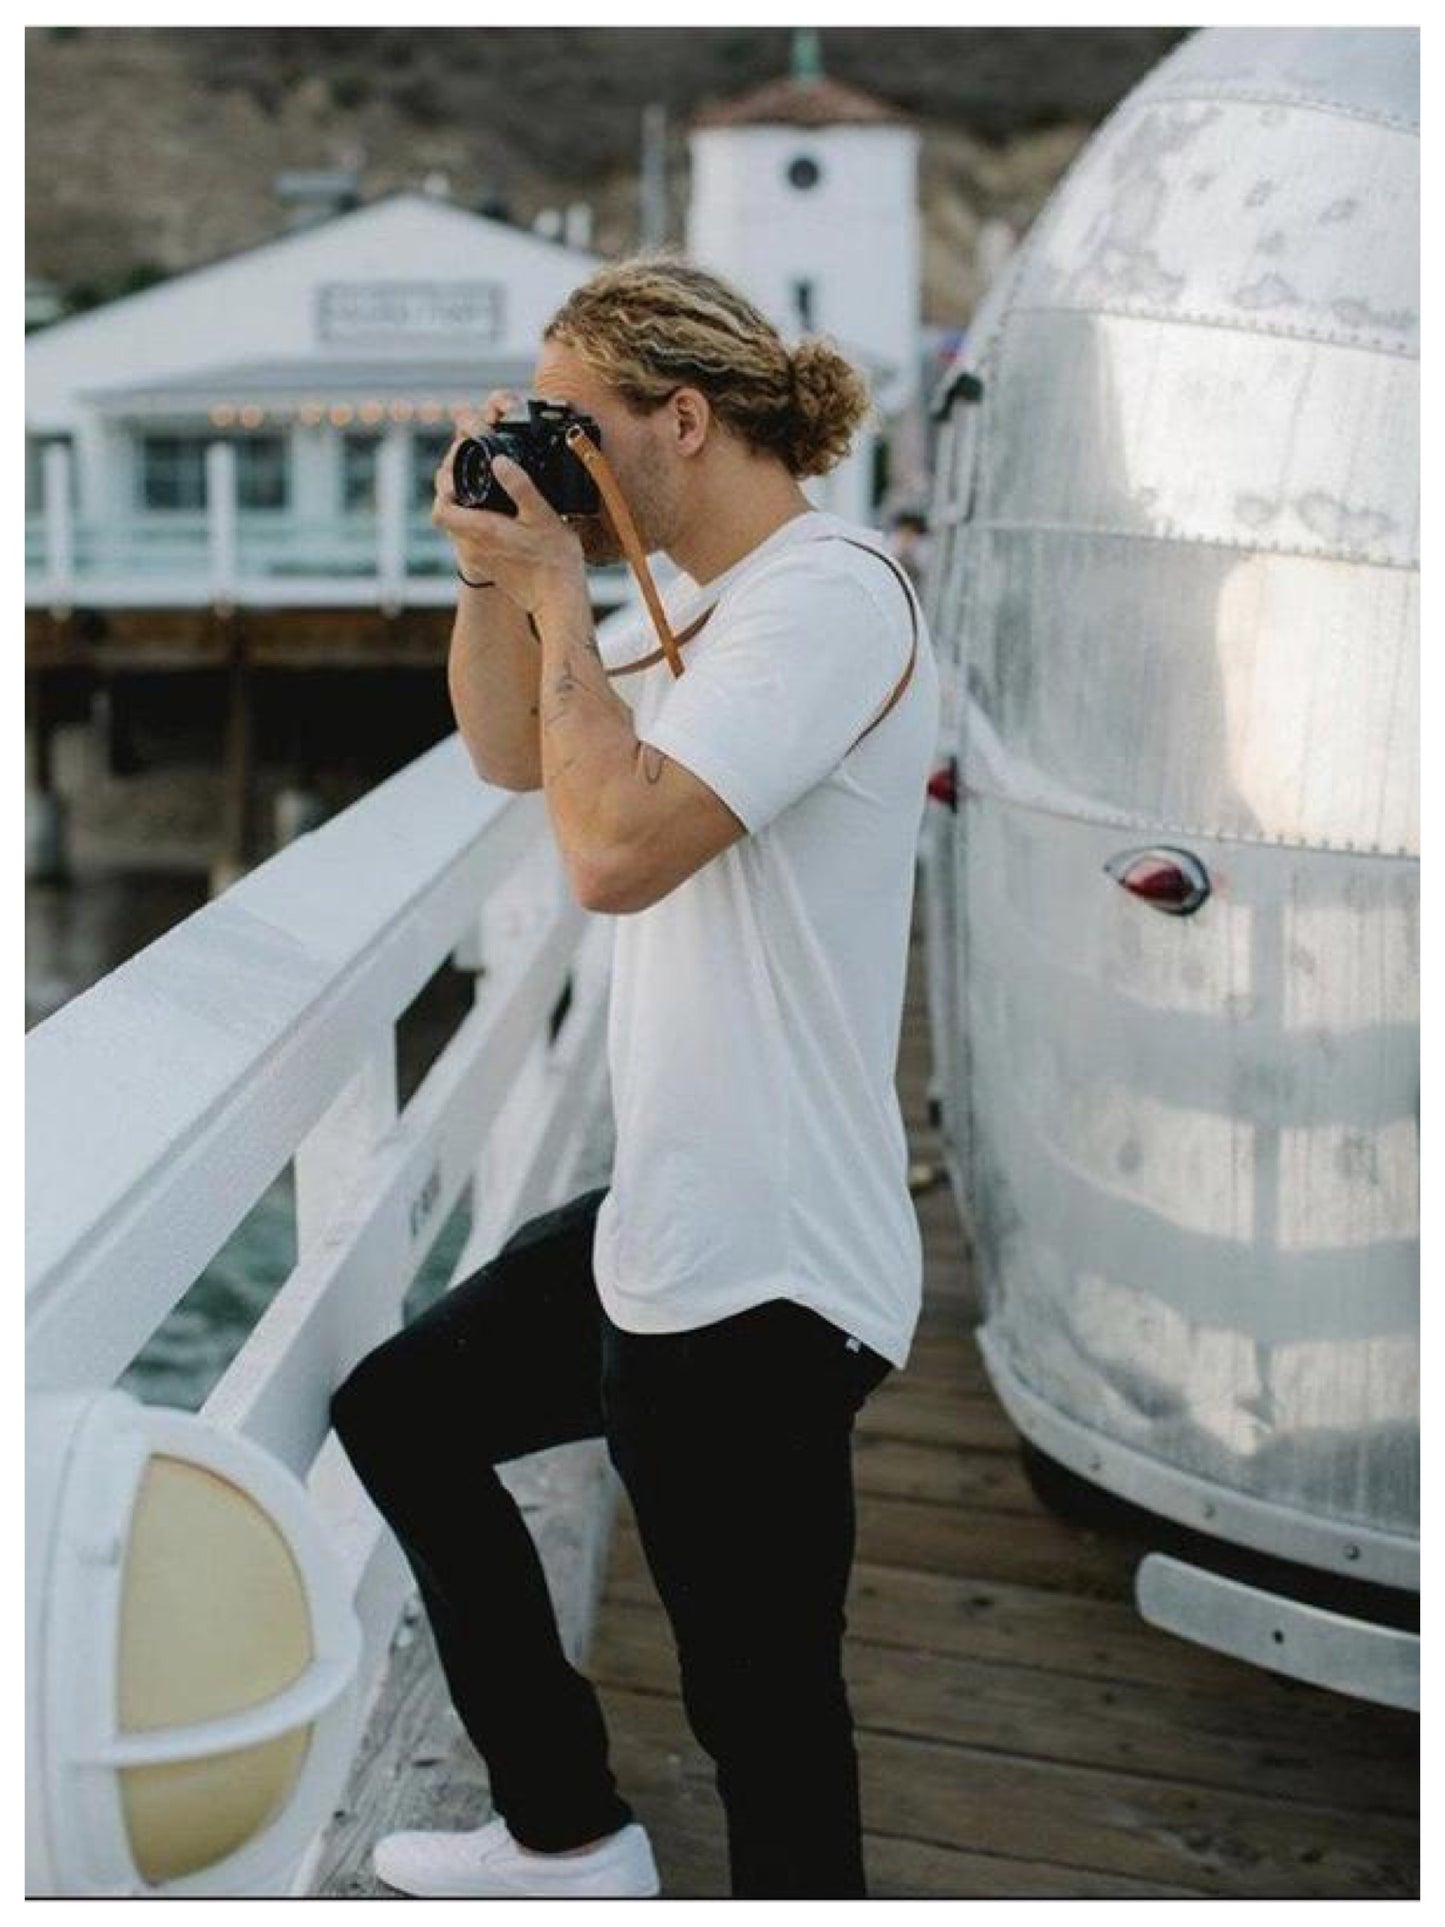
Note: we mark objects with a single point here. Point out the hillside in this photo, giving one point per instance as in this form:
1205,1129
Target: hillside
152,149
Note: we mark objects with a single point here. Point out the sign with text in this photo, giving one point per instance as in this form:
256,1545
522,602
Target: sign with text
370,312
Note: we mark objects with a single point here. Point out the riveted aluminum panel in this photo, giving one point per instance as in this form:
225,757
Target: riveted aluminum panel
1195,1153
1269,697
1210,220
1126,424
1372,72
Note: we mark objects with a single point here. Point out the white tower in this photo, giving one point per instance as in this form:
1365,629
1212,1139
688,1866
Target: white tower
804,196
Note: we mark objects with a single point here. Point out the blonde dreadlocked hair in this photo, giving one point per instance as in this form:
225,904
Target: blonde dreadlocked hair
655,323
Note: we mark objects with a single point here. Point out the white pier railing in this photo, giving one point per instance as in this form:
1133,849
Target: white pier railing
163,1102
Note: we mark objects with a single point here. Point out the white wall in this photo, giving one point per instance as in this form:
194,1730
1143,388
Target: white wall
855,234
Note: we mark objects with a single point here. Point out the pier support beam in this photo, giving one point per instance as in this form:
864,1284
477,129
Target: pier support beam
47,856
296,810
234,858
299,805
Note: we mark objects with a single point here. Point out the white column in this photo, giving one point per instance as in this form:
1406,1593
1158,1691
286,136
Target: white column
221,519
315,481
59,522
393,477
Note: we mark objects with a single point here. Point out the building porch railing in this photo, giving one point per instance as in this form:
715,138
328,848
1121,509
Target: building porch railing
390,556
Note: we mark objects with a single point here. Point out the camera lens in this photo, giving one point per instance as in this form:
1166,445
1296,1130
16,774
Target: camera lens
472,478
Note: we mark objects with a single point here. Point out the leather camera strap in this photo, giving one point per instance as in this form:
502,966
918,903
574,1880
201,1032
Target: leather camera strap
596,464
912,598
593,460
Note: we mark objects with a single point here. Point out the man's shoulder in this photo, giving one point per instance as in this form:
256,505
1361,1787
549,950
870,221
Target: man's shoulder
831,551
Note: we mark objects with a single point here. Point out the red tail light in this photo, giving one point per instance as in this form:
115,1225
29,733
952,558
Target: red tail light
1168,880
943,784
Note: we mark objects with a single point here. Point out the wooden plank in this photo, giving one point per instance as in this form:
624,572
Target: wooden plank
948,1317
1014,1625
1012,1548
1279,1750
1227,1842
685,1823
899,1869
887,1468
1022,1625
1027,1551
946,1355
930,1414
394,1780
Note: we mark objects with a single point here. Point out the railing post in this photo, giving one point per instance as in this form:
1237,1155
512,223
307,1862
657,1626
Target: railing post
506,922
59,524
221,519
393,464
332,1155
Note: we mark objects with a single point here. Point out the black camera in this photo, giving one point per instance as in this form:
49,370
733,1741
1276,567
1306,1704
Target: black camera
537,445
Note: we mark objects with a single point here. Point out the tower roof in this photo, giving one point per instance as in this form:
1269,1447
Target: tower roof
795,102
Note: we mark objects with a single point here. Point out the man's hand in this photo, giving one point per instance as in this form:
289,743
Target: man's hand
495,408
530,556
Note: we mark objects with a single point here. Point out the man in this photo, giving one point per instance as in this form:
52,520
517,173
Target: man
721,1311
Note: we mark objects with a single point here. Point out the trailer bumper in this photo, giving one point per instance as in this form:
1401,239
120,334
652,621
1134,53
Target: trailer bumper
1290,1636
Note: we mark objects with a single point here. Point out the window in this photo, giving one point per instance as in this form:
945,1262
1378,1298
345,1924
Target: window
804,172
426,455
358,473
173,471
803,304
263,472
360,464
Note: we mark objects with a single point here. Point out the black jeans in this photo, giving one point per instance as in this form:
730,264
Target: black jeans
733,1441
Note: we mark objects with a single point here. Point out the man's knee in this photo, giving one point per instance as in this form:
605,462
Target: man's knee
387,1397
363,1404
419,1398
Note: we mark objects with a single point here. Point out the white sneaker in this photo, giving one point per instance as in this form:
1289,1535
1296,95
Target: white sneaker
489,1862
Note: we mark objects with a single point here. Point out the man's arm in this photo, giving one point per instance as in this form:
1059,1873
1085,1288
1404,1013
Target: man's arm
493,662
631,824
493,675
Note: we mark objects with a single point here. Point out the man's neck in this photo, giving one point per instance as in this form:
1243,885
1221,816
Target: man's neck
729,521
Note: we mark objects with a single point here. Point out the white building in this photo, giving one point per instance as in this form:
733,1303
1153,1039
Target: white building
265,428
805,196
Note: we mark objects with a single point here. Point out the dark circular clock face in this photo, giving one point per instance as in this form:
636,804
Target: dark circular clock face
804,171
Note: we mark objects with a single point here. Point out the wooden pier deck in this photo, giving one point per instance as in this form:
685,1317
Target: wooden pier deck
1021,1732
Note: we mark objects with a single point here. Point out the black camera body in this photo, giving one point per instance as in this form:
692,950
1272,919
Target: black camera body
537,445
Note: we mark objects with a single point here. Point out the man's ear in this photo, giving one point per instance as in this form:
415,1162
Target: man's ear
692,417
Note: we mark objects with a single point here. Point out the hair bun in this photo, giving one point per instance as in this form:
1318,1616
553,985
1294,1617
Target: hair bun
829,399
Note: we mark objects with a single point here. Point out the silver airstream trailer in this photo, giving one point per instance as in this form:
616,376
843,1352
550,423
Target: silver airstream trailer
1171,915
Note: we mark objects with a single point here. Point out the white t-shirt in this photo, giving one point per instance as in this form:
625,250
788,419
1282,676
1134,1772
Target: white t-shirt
755,1010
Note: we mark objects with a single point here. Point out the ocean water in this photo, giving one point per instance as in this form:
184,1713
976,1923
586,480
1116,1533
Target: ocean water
193,1347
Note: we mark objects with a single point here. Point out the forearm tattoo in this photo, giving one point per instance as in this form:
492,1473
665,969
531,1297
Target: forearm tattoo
567,684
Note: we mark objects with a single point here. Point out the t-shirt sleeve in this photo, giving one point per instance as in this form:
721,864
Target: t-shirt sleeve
808,659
